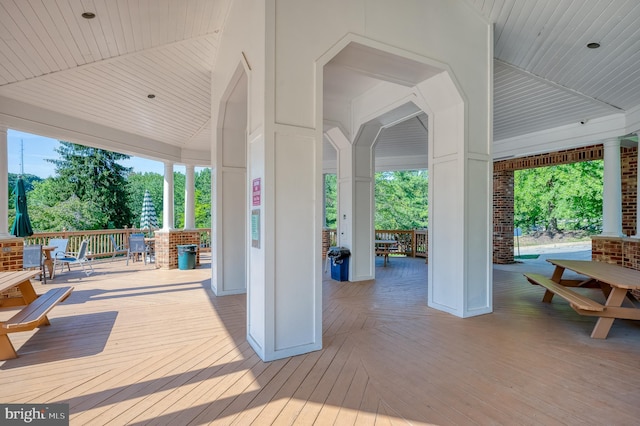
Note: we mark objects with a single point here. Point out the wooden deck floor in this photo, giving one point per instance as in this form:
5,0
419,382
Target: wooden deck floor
134,345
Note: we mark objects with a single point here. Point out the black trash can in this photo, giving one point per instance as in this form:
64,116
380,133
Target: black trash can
187,256
339,263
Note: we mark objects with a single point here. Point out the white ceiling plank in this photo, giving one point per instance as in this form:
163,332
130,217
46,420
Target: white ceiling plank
26,20
107,30
63,37
9,73
25,57
50,37
180,21
110,13
124,18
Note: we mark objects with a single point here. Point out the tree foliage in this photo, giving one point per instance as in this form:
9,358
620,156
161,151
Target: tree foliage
94,175
556,198
331,202
402,199
203,198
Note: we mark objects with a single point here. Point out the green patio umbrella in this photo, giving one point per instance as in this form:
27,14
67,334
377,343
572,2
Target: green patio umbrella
22,225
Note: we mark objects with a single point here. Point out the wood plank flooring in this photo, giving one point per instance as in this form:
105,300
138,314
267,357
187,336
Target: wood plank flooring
138,346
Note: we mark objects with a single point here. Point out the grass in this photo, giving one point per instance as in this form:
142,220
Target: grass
527,256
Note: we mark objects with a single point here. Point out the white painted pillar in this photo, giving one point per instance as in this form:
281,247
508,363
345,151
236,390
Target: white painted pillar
356,198
612,190
4,184
167,199
189,198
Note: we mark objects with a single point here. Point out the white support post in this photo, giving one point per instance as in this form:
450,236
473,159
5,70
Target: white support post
189,199
4,184
167,199
612,190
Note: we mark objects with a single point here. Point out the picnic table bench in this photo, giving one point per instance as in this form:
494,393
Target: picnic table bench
614,280
34,311
384,248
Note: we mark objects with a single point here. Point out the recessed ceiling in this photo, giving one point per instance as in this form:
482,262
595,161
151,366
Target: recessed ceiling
101,70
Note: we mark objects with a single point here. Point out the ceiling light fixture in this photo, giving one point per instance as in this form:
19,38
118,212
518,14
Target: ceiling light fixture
151,96
593,45
88,15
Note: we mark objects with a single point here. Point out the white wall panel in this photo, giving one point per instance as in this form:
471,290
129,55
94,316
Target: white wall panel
295,215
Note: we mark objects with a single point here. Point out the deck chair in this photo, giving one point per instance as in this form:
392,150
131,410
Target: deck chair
60,245
32,259
137,246
116,248
79,258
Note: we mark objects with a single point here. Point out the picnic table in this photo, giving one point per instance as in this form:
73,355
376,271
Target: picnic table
615,281
34,307
48,259
384,248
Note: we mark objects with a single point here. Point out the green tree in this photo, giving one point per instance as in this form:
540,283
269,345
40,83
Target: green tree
331,202
203,198
401,199
557,198
179,180
94,176
49,211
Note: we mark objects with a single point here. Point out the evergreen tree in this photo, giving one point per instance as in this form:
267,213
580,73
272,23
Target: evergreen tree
331,202
402,199
203,198
94,175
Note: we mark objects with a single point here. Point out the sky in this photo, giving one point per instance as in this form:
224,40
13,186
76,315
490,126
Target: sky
38,148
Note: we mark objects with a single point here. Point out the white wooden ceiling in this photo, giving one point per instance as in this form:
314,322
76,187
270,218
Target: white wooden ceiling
101,70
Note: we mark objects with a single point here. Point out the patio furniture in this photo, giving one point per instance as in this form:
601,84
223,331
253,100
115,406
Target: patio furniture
613,280
47,260
117,249
35,310
151,248
384,248
32,258
60,245
79,258
137,246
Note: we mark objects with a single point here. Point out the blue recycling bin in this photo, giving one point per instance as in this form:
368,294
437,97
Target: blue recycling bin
339,263
187,256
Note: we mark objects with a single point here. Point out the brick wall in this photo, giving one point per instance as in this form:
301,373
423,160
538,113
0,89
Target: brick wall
167,250
326,242
576,155
11,260
503,216
622,251
629,166
503,172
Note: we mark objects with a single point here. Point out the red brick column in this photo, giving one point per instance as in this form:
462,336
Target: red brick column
326,242
629,181
503,216
11,260
167,250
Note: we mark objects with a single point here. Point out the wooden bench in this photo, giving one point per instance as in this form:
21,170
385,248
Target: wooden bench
577,301
31,316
